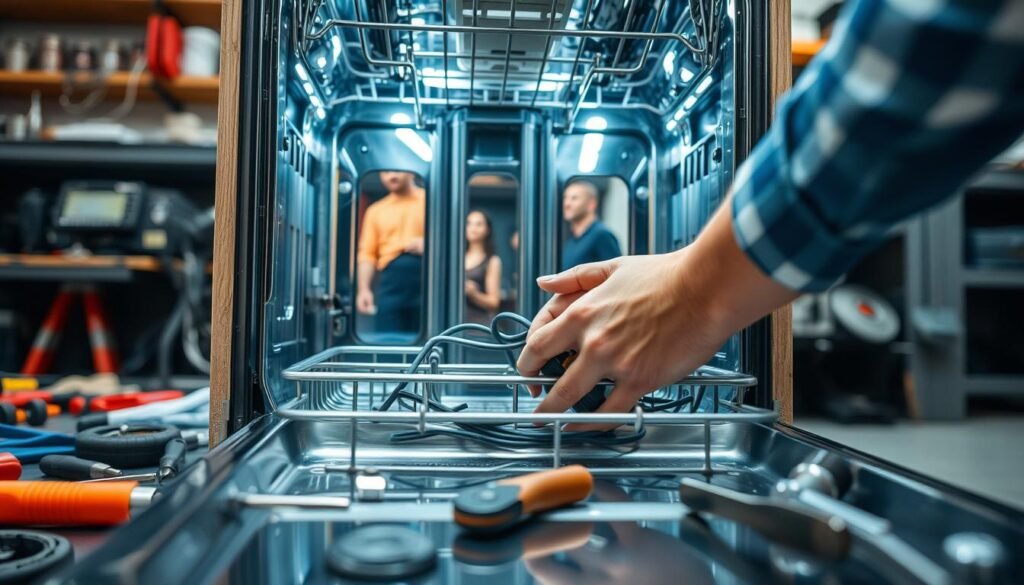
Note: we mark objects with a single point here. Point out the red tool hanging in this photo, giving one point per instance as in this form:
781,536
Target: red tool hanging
163,42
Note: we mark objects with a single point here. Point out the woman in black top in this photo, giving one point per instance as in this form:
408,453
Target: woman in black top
483,269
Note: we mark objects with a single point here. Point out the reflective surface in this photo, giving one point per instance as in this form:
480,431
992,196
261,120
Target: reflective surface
491,264
390,220
196,534
595,220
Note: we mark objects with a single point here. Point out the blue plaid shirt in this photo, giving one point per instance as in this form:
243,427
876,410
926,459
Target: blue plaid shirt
906,101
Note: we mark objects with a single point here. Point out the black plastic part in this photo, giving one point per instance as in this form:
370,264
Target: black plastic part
35,412
125,447
557,366
26,555
8,414
382,552
95,419
487,500
66,467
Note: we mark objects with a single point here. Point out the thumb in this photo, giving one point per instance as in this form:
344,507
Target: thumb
578,278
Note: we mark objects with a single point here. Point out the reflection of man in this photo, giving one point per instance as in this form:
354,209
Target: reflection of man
391,249
589,240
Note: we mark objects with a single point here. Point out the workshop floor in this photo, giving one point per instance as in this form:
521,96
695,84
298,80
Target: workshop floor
983,454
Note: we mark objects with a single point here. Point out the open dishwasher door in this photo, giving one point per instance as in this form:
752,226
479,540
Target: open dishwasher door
357,446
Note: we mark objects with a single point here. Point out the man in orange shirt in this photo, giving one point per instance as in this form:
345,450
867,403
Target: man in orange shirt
391,252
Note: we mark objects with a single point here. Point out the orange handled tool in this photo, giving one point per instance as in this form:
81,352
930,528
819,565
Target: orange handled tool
499,505
60,503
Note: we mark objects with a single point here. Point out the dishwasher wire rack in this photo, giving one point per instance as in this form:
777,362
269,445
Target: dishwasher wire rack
345,383
417,50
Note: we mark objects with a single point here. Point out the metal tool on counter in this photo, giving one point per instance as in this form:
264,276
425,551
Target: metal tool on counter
51,503
35,413
786,523
10,467
112,402
75,468
820,482
499,505
191,410
31,445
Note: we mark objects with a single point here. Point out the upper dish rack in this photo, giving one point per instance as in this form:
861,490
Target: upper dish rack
509,53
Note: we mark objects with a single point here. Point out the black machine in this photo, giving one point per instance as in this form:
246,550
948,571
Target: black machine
112,217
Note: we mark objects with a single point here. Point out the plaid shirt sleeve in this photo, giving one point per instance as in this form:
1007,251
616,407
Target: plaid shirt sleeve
905,102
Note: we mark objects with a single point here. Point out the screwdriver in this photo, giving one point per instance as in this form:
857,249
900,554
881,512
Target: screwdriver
76,468
173,459
500,505
63,503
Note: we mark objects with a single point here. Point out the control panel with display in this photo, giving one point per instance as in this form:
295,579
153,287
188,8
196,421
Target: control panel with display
100,205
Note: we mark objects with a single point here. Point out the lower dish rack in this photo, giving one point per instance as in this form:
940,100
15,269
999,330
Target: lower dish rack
383,401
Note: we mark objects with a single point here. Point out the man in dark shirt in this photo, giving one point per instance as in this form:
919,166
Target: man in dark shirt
588,239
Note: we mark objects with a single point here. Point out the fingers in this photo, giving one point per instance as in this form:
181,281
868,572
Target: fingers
555,306
551,338
622,399
580,378
579,278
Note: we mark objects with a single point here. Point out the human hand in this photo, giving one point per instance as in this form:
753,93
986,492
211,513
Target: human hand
646,321
471,287
632,320
415,246
365,303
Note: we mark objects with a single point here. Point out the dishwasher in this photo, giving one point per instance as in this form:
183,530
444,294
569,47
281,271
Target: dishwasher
347,442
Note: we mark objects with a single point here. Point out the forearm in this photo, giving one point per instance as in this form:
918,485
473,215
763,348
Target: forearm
365,271
721,282
488,301
871,134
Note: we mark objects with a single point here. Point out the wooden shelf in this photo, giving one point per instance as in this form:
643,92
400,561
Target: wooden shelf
191,12
97,268
804,51
187,89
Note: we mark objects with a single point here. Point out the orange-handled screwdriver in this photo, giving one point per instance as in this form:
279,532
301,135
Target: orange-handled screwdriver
499,505
62,503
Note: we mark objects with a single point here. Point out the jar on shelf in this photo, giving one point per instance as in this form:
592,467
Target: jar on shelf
50,57
110,60
83,57
16,55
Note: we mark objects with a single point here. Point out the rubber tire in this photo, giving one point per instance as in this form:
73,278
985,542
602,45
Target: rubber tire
8,414
51,553
36,413
143,447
